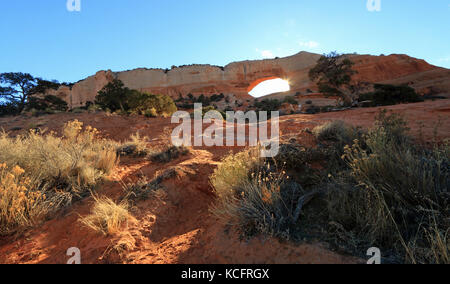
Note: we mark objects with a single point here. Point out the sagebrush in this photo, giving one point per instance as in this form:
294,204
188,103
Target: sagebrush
61,168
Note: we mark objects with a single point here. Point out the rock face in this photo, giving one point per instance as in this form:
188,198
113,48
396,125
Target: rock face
240,77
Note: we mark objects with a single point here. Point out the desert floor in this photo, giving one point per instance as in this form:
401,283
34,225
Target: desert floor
175,226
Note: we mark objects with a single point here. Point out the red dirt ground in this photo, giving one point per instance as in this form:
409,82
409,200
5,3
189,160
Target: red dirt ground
175,226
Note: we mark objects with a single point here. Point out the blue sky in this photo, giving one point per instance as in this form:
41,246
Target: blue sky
45,39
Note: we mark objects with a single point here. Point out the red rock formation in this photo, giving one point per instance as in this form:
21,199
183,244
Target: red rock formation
240,77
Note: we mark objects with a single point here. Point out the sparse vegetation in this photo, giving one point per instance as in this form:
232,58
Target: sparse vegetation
384,191
171,153
385,95
268,105
56,170
48,104
20,89
333,74
143,188
106,216
290,100
116,97
21,205
336,131
137,146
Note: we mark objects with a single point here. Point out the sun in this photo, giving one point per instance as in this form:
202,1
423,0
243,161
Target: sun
270,87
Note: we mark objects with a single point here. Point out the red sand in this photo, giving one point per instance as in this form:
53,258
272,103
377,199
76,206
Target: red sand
176,226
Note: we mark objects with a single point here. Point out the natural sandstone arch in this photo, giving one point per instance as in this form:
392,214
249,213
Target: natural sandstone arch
269,86
240,77
259,81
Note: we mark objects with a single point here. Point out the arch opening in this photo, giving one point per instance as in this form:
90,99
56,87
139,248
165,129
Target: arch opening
268,86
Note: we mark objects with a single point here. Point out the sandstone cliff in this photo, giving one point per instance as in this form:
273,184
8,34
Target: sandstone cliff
240,77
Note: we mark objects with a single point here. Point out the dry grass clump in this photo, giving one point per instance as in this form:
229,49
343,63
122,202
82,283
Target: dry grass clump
106,216
20,204
136,146
170,154
58,169
408,188
75,162
233,172
143,188
394,195
256,198
337,131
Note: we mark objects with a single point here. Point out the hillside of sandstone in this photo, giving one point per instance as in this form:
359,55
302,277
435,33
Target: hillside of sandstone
240,77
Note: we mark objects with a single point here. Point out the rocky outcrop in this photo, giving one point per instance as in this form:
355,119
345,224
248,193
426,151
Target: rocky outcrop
240,77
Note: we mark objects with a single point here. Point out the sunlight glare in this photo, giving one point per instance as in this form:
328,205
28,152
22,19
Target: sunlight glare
270,87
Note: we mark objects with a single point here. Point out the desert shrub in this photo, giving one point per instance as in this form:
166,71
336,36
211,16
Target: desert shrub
232,172
78,110
268,105
266,204
207,109
143,188
47,102
136,146
398,195
74,163
312,109
395,126
106,216
8,108
118,98
20,204
143,102
297,161
151,113
206,101
337,131
217,98
92,108
385,95
387,192
255,197
290,100
114,96
139,190
170,154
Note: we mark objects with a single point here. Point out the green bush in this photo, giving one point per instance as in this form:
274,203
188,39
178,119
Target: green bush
117,98
268,105
290,100
207,109
385,95
47,103
144,103
114,96
8,108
